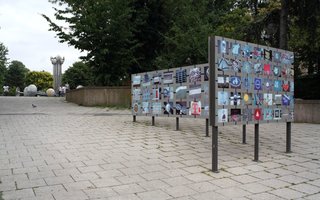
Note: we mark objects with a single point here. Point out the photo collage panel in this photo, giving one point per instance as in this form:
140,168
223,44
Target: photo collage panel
254,83
179,92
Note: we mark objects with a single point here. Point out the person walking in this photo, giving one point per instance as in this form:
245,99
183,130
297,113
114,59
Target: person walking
5,90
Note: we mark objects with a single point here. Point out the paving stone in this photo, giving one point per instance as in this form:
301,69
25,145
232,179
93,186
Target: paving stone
153,184
264,196
40,197
99,193
105,182
72,195
154,195
199,177
85,177
255,188
40,175
179,180
125,197
275,183
203,187
313,197
58,180
287,193
17,194
81,185
175,172
233,192
128,189
293,179
30,183
225,182
49,189
244,178
263,175
305,188
179,191
97,153
237,170
154,176
209,195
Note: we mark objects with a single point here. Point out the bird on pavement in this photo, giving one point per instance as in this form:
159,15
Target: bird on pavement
34,106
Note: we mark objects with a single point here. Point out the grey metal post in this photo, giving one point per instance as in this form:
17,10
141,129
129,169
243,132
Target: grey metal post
152,120
244,134
177,123
288,148
215,149
207,127
256,142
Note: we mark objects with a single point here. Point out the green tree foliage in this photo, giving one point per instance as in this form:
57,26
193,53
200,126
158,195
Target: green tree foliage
16,74
305,34
43,80
124,37
78,74
3,62
104,30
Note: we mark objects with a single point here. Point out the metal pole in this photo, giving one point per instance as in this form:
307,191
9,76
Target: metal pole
134,118
177,123
215,149
152,120
207,127
256,142
244,134
288,149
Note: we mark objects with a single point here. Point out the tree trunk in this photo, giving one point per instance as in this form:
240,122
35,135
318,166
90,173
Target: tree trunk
284,25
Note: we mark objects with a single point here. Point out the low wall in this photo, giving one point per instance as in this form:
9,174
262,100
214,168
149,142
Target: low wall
307,111
101,96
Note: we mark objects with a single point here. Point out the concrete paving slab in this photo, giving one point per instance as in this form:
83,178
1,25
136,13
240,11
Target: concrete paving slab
60,150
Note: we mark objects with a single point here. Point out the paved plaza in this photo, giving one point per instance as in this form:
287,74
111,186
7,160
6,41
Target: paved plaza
62,151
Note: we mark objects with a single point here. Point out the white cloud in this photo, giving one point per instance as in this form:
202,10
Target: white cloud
25,33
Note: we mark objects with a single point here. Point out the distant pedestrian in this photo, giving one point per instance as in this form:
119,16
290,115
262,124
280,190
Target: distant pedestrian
5,90
60,91
63,92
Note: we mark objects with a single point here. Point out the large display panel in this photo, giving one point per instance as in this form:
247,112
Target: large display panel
252,83
178,92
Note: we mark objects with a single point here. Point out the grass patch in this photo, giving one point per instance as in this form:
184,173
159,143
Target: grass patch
1,196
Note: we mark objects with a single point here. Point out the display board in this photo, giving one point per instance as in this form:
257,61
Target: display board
178,92
251,84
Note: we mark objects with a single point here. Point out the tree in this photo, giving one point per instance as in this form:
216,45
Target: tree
16,74
3,62
78,74
104,30
43,80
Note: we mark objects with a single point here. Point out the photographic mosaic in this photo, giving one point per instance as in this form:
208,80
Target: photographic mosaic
251,84
254,83
181,92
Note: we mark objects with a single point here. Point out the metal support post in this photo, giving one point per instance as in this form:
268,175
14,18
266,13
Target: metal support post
244,134
288,149
152,120
256,142
215,149
134,118
177,123
207,127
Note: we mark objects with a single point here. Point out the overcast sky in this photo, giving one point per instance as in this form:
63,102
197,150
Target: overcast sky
25,33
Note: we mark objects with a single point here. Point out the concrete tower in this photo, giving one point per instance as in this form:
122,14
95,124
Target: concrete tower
57,72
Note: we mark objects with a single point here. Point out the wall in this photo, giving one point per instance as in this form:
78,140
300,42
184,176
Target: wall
307,111
101,96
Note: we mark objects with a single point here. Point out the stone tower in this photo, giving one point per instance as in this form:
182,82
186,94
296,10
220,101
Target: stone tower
57,72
